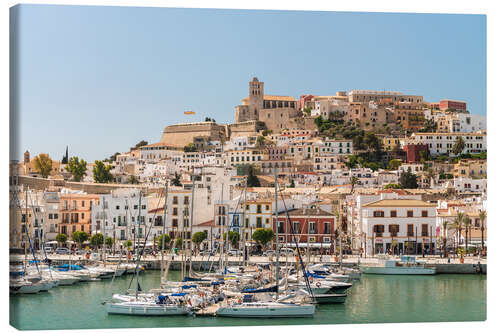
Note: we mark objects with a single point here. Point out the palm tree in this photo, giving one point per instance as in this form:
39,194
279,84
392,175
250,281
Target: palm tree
482,217
458,225
467,224
445,227
353,181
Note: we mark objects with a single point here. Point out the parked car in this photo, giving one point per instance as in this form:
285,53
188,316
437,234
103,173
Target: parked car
234,253
270,253
286,251
62,250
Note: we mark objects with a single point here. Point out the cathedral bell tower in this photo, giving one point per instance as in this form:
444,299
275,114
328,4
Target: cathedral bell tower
255,97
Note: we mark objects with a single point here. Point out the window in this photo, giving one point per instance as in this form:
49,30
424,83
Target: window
246,222
281,227
409,230
312,227
378,229
83,203
424,213
186,200
175,200
259,222
175,211
409,213
425,230
174,223
259,208
378,213
326,228
394,229
394,213
267,207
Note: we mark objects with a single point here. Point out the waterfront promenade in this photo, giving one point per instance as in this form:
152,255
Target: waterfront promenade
154,262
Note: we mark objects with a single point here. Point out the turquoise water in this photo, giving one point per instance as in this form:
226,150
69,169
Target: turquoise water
374,299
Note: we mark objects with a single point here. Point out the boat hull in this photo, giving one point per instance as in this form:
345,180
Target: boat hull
330,298
266,312
137,309
398,270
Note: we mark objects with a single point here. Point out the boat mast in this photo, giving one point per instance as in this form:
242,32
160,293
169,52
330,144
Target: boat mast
243,228
191,227
163,232
277,239
137,255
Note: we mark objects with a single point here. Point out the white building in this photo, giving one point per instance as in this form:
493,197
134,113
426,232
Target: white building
442,143
408,225
470,185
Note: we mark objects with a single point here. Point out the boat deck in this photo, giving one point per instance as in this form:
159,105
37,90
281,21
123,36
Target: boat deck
208,311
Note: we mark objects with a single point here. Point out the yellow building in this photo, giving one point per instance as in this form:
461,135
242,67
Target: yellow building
473,168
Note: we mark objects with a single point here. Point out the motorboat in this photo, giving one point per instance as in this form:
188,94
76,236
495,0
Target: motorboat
407,265
266,310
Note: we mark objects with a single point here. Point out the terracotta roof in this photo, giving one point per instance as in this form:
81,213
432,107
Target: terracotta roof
308,212
210,223
399,203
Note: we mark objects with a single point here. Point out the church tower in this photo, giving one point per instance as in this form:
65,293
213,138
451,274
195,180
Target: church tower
255,97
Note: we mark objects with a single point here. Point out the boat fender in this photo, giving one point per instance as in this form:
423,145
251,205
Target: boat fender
318,284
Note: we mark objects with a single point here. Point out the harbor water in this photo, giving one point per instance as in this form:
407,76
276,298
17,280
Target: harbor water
373,299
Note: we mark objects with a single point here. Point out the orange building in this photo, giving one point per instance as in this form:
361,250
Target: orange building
75,212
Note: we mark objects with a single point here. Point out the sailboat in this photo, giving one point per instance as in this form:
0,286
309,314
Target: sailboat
148,305
251,307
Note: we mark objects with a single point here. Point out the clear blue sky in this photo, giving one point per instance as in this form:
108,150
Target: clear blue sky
100,79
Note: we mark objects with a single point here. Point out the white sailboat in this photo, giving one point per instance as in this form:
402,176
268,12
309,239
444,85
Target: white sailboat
247,308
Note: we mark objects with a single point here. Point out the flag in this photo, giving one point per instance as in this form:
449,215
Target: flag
189,112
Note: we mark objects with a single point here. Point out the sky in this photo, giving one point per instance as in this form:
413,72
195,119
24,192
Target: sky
101,79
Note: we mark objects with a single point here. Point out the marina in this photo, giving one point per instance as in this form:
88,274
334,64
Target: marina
372,299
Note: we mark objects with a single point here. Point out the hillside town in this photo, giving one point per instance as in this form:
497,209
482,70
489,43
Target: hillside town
362,172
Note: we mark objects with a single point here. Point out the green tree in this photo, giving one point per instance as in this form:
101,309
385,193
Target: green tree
61,238
102,172
252,180
482,217
292,183
127,244
266,132
261,141
353,181
467,225
198,238
307,111
43,164
351,162
64,160
97,239
109,241
177,180
394,186
189,148
394,164
445,233
132,180
159,241
233,237
408,180
139,144
372,142
263,236
458,224
178,243
79,237
77,167
459,146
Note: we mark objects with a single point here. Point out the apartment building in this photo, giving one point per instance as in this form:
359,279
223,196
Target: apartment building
75,210
405,225
442,143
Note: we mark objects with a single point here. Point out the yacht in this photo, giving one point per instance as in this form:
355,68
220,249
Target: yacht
407,265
